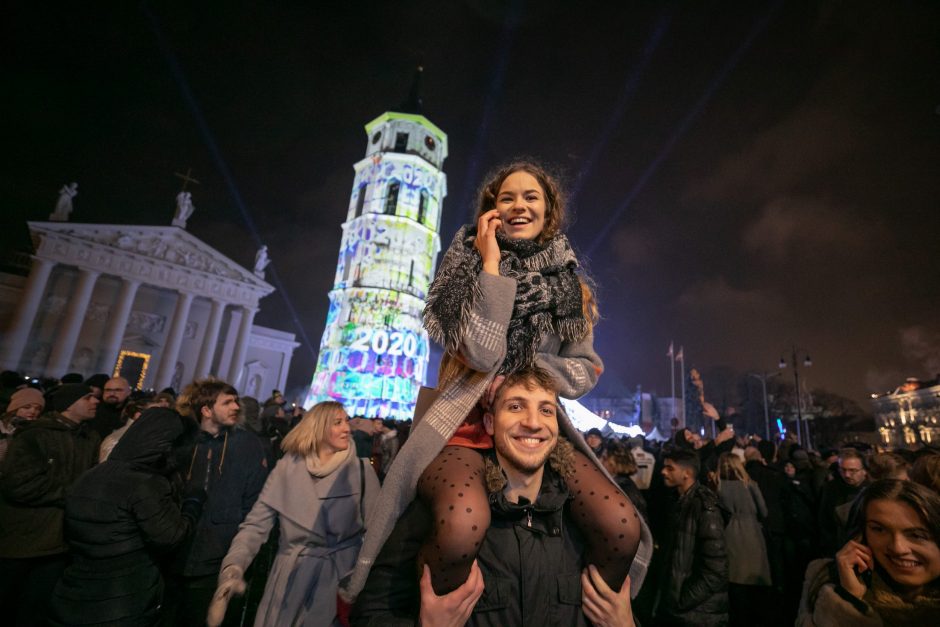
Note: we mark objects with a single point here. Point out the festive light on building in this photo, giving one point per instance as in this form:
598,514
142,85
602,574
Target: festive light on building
374,352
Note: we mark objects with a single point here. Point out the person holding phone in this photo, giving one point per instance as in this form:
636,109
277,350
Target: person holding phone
889,572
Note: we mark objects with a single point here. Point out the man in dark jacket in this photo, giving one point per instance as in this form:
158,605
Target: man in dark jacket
229,463
694,581
836,496
108,417
119,517
45,457
531,558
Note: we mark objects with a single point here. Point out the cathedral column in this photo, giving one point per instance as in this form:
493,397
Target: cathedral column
211,340
115,333
64,344
22,322
241,345
171,348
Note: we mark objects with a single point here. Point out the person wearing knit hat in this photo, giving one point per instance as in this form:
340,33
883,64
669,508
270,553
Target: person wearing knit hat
595,439
25,404
43,460
75,401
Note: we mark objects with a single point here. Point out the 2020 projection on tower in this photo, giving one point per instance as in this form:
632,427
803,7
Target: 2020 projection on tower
374,351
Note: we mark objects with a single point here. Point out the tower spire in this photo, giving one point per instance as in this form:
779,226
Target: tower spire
413,103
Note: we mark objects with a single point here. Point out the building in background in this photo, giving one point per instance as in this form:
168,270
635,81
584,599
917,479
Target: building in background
374,352
909,415
152,303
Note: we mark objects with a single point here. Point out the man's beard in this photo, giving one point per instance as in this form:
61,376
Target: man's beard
522,463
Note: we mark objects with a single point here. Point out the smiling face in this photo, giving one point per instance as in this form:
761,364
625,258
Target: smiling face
521,205
901,543
524,426
336,436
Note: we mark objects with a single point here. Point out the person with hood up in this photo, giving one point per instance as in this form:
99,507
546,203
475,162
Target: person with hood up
119,517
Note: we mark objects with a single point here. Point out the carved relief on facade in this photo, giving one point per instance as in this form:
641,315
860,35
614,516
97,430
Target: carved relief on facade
177,381
82,361
98,312
146,322
55,305
191,329
40,356
159,248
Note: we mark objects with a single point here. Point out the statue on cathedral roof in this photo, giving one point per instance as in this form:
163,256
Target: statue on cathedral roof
261,261
184,209
63,206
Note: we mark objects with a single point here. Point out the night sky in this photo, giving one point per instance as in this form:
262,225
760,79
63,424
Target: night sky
745,176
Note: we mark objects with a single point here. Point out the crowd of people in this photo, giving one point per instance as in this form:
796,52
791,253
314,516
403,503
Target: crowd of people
125,508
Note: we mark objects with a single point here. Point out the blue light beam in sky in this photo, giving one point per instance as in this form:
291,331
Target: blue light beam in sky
222,166
493,96
626,95
684,125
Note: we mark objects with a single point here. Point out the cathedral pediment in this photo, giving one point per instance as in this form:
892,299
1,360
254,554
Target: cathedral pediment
165,256
165,244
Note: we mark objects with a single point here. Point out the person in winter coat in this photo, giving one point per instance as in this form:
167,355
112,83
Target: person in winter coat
840,492
119,517
748,566
507,296
319,494
227,462
532,558
45,457
25,404
618,460
889,572
693,591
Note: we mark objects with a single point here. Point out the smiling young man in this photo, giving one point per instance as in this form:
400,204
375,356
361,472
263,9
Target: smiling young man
229,463
529,567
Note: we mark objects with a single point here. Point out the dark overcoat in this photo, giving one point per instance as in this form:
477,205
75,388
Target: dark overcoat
119,518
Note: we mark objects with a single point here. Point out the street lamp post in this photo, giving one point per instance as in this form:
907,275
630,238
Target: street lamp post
802,437
762,377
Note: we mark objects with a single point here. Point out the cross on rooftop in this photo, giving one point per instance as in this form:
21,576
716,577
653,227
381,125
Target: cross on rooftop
187,178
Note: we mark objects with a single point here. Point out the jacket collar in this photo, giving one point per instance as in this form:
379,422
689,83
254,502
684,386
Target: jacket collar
553,494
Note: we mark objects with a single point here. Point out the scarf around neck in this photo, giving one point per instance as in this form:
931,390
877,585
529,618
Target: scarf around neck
319,470
547,301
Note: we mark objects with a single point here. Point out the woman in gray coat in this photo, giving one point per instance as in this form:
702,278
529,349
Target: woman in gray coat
319,493
748,565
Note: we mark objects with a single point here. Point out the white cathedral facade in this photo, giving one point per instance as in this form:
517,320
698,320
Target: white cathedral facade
152,303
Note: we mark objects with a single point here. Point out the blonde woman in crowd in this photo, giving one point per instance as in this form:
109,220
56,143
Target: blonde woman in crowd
748,566
319,494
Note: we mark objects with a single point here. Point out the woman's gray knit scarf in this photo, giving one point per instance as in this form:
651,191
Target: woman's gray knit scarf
548,294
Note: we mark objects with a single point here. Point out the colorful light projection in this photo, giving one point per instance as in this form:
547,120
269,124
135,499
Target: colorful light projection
374,353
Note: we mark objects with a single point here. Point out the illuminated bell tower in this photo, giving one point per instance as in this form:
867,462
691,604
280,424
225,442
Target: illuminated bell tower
374,351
